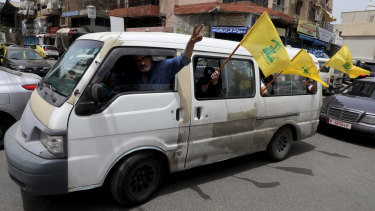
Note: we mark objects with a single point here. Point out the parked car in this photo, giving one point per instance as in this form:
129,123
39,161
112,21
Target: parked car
32,46
25,60
353,109
15,90
50,51
10,44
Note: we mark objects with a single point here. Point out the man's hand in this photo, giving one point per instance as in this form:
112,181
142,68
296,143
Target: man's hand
204,88
215,77
195,37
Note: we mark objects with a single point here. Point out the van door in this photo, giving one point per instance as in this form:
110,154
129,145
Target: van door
129,120
220,119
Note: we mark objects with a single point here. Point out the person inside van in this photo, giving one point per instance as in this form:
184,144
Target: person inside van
158,75
263,83
205,88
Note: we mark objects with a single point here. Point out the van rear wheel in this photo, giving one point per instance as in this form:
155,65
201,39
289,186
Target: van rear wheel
280,144
137,178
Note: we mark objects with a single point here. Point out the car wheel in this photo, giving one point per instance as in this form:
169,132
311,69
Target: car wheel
280,144
4,126
137,178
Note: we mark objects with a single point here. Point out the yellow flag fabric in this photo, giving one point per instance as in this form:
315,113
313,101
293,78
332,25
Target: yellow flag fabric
40,51
4,52
264,43
303,65
343,62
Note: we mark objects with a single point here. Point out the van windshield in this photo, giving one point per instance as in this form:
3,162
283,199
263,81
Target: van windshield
67,72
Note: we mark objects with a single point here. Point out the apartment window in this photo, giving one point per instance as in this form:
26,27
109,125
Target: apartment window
298,7
371,18
312,14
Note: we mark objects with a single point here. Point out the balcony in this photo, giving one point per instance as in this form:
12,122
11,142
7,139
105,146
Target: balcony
50,7
50,12
148,8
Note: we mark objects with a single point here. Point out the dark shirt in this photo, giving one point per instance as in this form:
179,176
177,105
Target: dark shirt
161,73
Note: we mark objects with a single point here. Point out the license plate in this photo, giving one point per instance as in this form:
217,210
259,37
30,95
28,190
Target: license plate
339,123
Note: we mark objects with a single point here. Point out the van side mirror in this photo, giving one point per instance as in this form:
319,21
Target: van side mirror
90,100
97,93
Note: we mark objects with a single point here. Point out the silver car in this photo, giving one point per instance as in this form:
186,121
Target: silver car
15,90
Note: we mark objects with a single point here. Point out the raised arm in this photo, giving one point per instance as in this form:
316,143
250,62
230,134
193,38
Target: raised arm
195,37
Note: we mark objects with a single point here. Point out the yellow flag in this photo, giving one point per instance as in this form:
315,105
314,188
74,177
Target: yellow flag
343,62
264,43
4,52
303,65
40,51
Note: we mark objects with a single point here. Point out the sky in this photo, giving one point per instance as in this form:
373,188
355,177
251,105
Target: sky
348,5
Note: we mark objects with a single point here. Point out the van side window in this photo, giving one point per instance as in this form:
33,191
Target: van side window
236,79
287,85
120,74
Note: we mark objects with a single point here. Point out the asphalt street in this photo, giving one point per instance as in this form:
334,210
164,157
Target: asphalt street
332,170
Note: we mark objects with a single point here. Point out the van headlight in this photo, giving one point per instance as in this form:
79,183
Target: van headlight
54,144
368,119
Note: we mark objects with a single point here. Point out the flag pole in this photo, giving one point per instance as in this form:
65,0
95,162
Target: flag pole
282,71
243,39
322,66
272,80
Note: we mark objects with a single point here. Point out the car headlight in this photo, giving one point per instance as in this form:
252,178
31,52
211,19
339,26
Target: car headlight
16,67
368,119
323,109
54,144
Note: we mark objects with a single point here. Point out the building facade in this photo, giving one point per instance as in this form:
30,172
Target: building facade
303,24
42,19
357,29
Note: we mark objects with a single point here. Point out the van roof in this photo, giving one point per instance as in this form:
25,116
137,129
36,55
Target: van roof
175,41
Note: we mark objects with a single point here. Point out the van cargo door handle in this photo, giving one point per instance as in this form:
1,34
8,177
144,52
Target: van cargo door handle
198,112
179,114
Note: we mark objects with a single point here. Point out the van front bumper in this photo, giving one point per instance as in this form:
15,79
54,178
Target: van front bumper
32,173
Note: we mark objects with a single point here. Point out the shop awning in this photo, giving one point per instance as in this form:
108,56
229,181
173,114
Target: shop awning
313,40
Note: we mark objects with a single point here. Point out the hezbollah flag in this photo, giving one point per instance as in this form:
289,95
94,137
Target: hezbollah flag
303,65
343,62
40,51
264,43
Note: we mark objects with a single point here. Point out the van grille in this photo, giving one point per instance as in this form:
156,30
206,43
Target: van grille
343,115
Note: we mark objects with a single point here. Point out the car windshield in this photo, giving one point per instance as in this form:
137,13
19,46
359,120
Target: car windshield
67,72
363,89
22,54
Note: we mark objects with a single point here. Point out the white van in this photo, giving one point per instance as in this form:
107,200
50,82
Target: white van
77,132
330,76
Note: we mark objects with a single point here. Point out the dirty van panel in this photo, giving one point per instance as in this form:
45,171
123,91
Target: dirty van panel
224,111
290,104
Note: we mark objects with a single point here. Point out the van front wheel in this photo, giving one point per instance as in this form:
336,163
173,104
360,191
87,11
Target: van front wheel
280,144
137,178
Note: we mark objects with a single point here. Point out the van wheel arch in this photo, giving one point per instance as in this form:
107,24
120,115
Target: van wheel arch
280,145
134,165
